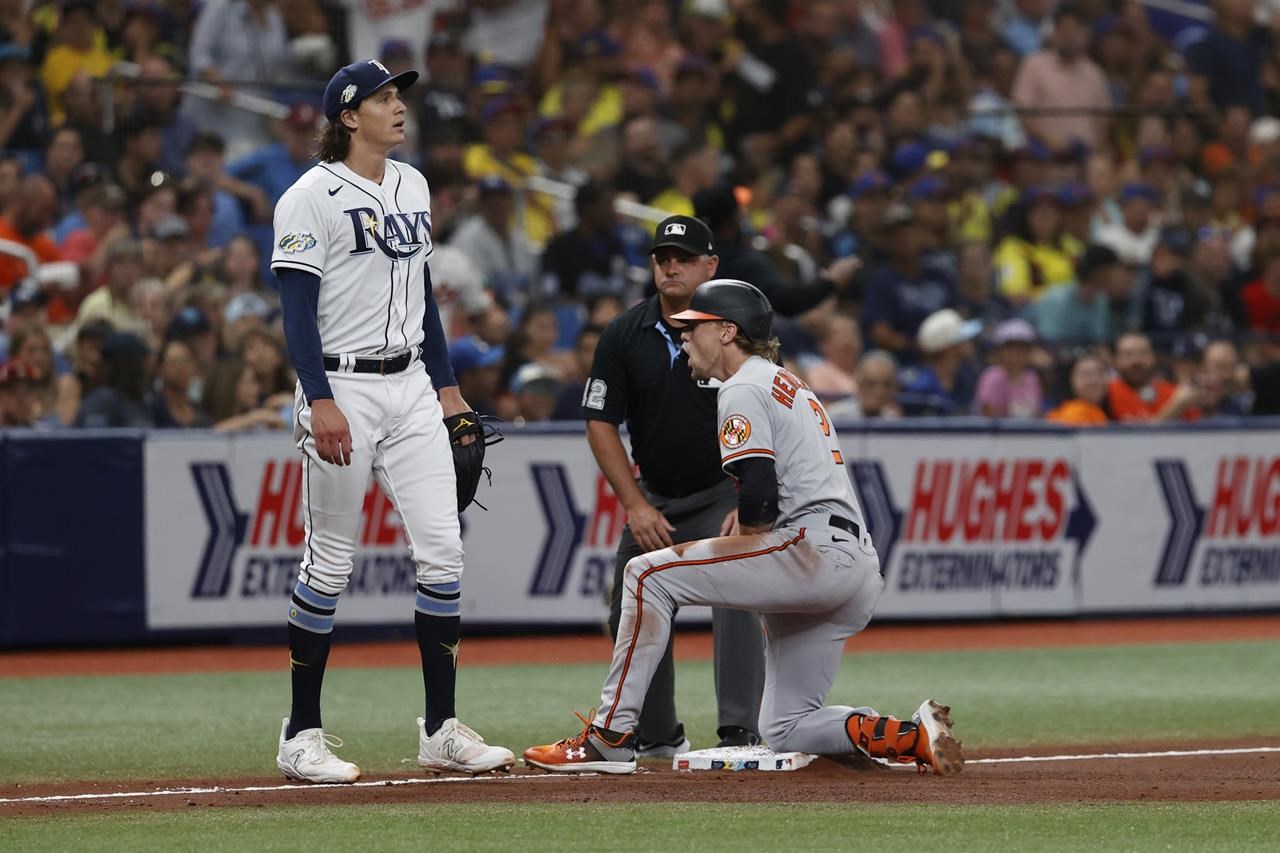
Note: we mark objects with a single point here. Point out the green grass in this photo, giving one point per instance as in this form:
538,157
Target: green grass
189,726
674,826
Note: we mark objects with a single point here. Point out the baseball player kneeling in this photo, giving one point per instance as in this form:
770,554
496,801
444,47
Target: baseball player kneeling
363,330
801,557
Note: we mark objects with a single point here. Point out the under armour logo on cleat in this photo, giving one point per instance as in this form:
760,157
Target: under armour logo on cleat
334,191
571,754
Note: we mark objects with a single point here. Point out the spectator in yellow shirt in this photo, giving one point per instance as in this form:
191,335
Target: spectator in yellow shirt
79,47
500,156
693,167
1032,258
968,175
595,70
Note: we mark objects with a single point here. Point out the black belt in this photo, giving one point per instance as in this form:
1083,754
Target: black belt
371,365
847,525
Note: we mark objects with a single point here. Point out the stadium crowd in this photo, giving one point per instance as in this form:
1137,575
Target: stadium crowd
1006,208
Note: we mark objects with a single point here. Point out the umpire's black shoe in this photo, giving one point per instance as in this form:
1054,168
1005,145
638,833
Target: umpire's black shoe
737,736
663,748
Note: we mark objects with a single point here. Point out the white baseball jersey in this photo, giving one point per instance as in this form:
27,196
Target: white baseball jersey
766,411
369,245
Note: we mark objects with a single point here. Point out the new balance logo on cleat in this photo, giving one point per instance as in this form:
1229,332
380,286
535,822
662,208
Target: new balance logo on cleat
456,748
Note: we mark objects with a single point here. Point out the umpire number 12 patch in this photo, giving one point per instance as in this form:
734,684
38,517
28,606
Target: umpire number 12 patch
593,394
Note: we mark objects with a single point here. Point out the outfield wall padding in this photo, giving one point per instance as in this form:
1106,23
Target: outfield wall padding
124,537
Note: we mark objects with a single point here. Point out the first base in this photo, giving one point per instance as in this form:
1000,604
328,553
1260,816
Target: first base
740,758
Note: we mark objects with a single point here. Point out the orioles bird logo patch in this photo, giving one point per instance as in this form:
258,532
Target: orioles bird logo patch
735,431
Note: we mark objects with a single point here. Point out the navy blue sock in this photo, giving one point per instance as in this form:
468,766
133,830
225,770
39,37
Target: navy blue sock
310,637
437,621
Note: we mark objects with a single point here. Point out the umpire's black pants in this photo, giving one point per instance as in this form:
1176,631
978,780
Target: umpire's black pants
737,636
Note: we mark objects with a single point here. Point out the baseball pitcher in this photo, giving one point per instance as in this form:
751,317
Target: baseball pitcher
376,396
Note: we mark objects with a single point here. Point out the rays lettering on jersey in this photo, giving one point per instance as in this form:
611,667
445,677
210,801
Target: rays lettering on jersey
400,236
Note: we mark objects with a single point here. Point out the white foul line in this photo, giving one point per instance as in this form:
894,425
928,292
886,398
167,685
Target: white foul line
218,789
1099,756
1105,756
387,783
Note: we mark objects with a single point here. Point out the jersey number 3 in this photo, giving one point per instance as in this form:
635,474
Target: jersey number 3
823,423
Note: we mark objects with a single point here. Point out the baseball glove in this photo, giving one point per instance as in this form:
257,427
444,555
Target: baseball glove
468,459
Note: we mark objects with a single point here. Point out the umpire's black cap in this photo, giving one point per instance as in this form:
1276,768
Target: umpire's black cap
683,232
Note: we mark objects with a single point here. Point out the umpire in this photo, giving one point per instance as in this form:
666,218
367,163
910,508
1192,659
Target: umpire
640,375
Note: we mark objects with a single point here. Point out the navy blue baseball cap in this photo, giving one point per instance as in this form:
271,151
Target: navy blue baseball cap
357,81
874,181
930,187
1139,190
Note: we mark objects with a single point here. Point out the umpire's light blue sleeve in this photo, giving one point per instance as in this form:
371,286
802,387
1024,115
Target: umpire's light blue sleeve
435,346
300,301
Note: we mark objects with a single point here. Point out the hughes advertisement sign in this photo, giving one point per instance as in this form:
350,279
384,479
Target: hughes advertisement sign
969,526
225,534
1193,522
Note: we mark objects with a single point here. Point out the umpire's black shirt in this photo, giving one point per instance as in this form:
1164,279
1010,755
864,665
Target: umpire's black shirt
640,375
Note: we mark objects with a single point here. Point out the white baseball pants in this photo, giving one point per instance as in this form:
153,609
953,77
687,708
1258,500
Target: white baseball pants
398,435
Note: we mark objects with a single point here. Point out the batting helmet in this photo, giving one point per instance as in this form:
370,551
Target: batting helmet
736,301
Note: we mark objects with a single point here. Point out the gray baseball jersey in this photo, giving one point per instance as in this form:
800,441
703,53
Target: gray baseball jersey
814,581
766,411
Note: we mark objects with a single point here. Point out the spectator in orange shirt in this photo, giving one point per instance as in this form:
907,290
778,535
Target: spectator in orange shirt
1137,396
1232,147
1089,395
25,220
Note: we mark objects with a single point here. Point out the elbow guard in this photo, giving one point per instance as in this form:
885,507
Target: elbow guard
757,490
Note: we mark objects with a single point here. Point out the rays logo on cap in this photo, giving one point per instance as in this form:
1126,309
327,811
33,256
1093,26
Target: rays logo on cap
348,93
674,228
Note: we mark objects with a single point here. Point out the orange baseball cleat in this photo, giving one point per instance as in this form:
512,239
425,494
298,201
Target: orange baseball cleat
594,750
926,740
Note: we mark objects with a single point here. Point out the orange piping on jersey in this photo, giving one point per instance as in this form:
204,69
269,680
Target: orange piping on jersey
635,631
757,450
835,454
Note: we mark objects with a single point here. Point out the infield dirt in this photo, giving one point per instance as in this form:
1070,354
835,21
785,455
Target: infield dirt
1254,776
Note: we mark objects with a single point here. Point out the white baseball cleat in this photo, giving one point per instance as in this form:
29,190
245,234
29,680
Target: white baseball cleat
940,749
455,747
306,757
